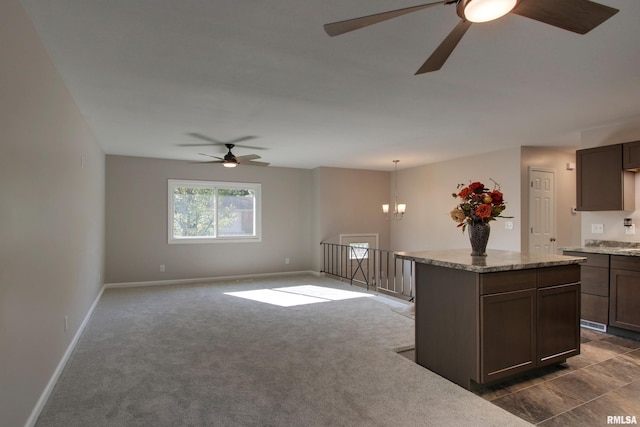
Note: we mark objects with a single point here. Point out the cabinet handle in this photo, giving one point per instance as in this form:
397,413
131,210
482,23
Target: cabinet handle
552,239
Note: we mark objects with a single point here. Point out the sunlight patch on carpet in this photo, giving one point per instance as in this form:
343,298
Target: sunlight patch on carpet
297,295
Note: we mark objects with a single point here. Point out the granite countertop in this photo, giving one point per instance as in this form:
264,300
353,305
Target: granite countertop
607,247
496,260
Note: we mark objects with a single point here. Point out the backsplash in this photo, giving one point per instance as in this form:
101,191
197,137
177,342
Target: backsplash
613,227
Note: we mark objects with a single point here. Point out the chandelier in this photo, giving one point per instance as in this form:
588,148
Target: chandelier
398,209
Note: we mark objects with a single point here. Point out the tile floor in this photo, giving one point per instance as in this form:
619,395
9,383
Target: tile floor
604,380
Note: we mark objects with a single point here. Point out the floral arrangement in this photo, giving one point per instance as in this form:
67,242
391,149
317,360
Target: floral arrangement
478,204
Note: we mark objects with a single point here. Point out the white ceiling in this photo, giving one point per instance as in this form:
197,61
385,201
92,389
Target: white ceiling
145,73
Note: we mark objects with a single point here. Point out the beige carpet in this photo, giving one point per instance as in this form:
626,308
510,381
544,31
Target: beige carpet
204,355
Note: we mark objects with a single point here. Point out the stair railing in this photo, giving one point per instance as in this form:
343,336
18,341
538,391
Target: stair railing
371,268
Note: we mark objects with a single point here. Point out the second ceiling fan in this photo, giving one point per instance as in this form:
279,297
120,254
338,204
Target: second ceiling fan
230,160
579,16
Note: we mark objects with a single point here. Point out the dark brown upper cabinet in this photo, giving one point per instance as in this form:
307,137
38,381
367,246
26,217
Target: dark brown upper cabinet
631,156
602,183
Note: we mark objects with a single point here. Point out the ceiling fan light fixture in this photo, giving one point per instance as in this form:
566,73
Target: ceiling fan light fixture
484,10
230,164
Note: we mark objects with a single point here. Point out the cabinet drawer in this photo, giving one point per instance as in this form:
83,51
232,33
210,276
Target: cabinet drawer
594,308
559,275
593,260
595,280
623,262
506,281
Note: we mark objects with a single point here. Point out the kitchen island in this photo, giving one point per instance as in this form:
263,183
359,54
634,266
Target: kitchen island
480,320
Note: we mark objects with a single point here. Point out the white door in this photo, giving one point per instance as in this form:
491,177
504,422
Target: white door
542,223
359,265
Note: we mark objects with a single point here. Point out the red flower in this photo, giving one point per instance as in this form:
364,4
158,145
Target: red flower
483,211
465,192
496,197
476,187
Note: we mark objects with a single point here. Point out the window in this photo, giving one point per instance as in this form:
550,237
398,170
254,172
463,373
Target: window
359,250
207,211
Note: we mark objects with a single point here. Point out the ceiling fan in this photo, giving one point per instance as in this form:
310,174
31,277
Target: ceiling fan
230,160
579,16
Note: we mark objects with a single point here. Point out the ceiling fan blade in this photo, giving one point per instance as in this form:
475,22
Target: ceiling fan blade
250,147
242,138
341,27
209,155
206,163
212,141
254,163
247,157
442,52
204,138
197,145
579,16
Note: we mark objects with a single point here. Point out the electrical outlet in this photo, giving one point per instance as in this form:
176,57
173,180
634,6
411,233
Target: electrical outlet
66,323
508,225
287,260
162,268
597,228
630,229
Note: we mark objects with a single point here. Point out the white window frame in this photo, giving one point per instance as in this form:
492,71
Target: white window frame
255,187
365,236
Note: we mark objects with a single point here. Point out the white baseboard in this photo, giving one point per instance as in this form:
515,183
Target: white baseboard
210,279
35,413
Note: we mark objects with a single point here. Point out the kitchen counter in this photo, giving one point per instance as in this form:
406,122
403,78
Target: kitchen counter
604,250
607,247
496,260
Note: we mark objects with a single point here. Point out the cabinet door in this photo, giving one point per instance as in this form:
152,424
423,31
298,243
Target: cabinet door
558,323
508,333
594,308
624,300
600,179
631,155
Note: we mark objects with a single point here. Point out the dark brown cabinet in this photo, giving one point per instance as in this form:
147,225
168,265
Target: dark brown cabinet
602,183
624,301
631,155
594,277
558,315
508,322
525,319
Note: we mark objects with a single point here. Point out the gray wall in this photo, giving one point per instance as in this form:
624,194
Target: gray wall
51,215
567,224
348,201
136,221
427,191
300,208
